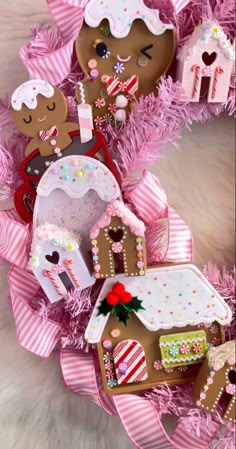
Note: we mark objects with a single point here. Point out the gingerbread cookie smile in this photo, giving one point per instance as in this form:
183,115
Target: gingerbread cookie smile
40,111
125,46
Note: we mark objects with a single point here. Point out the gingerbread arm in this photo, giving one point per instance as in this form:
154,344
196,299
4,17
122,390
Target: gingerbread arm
70,126
32,145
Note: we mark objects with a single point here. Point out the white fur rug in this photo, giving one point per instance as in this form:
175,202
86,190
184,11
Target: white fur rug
36,410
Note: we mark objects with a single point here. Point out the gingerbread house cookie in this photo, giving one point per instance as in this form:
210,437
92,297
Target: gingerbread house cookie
40,112
57,262
124,49
155,328
216,377
206,63
118,232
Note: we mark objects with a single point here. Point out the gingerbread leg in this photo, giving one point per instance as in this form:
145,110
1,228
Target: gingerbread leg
230,413
209,399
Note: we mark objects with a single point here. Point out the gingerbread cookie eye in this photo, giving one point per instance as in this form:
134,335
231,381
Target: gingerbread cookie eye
52,107
101,49
146,51
28,120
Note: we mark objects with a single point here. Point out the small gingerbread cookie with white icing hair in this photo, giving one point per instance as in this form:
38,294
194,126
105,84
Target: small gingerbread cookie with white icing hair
40,111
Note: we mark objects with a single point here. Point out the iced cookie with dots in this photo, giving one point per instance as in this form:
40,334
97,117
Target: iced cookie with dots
40,111
123,49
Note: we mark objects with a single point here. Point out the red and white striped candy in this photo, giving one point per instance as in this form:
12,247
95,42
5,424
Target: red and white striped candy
115,86
131,354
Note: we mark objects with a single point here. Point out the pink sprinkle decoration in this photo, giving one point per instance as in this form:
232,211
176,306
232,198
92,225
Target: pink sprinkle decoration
198,403
74,163
231,361
139,247
95,250
184,349
209,381
97,275
93,174
231,389
97,268
216,366
203,396
140,264
57,150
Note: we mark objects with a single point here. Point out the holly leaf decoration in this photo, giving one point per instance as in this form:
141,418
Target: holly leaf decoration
121,313
120,303
134,305
104,308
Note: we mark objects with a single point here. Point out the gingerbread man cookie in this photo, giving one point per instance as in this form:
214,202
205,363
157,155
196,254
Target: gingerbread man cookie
40,111
123,50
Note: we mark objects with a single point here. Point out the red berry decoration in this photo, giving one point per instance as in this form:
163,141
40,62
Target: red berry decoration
125,297
112,299
118,289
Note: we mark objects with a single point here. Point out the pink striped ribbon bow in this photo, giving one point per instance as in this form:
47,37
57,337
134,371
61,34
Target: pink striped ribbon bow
68,15
150,202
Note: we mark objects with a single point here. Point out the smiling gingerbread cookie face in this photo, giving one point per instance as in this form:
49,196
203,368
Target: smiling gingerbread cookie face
124,61
40,111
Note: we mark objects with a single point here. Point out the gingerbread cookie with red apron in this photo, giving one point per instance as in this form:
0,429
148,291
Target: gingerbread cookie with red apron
123,49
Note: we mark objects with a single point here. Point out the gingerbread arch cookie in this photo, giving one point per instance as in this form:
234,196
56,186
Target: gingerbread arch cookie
123,51
40,112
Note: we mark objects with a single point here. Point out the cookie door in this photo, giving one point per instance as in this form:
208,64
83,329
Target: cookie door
130,362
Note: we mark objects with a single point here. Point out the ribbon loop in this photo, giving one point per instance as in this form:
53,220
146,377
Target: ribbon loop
14,241
150,201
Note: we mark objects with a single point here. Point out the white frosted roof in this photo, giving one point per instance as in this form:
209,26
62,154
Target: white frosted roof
174,296
76,175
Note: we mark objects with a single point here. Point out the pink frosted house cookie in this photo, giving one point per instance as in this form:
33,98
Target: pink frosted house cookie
205,64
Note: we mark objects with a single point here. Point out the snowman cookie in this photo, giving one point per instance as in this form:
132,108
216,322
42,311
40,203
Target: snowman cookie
40,111
123,50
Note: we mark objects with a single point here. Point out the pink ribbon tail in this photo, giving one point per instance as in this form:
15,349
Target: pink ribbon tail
36,334
138,415
150,202
78,369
